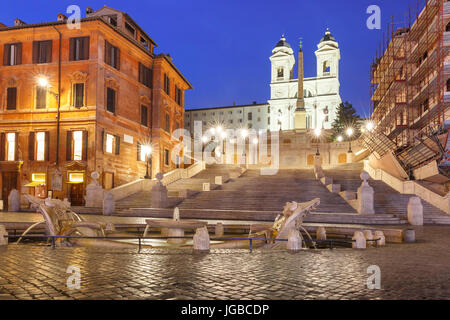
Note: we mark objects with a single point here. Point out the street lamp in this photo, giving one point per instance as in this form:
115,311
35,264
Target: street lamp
340,138
370,126
349,133
147,150
317,133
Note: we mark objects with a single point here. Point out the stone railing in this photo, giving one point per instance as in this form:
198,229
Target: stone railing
409,187
140,185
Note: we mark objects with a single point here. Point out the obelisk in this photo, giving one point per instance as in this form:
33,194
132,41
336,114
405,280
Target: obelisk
300,111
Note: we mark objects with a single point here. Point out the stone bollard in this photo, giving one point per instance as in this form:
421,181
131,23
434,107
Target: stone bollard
365,196
409,235
321,233
201,239
295,240
14,201
359,240
108,204
218,180
415,211
382,239
206,186
3,233
369,236
219,231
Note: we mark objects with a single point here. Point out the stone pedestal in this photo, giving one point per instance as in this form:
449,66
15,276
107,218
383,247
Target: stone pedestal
201,239
321,234
295,240
109,205
365,196
94,193
218,180
369,237
219,232
3,233
159,193
359,241
382,239
409,236
415,211
14,201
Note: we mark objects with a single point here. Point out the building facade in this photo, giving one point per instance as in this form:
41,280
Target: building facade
74,101
321,94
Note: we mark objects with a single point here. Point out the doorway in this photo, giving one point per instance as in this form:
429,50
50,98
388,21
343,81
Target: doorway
76,194
9,182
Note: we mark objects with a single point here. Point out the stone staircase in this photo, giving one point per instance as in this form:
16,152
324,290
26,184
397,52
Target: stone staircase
254,192
387,200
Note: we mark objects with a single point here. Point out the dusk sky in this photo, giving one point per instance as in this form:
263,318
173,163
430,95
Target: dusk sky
223,47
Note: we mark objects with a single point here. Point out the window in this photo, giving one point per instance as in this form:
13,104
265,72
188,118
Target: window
38,146
42,51
249,116
448,85
77,145
145,75
230,112
326,68
142,156
12,54
109,143
259,119
167,124
230,121
268,120
280,72
166,157
11,99
113,20
447,27
166,84
178,96
41,97
11,146
79,48
78,95
111,100
144,116
112,55
130,29
144,43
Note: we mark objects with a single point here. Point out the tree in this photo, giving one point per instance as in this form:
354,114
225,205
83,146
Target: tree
346,118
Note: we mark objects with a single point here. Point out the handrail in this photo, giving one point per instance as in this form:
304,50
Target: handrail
53,238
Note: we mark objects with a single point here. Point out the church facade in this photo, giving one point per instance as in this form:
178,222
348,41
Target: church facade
318,100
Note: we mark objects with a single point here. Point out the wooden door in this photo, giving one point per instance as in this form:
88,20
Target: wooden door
77,194
9,182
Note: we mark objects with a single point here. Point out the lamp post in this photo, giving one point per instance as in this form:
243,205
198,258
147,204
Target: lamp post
349,133
148,152
317,133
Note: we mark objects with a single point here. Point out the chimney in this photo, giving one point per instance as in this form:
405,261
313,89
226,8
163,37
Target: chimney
18,22
61,17
89,10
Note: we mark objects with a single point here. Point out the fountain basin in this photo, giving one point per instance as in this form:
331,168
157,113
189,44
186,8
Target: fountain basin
174,228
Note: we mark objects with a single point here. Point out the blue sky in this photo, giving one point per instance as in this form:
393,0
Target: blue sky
223,47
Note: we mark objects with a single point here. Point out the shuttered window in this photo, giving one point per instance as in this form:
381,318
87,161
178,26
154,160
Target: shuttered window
12,54
178,95
112,55
42,51
144,116
111,100
166,84
78,95
145,75
79,48
77,145
41,98
167,124
11,99
166,157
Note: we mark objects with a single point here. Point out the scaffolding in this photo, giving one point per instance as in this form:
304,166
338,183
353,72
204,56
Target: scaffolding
409,84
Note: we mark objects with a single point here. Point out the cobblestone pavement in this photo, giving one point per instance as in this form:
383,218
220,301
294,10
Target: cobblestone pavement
408,271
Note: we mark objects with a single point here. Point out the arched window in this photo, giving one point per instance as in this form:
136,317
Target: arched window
280,72
326,68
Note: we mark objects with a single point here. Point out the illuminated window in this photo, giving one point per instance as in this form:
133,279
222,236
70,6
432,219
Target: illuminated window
109,143
143,153
11,152
40,146
78,145
76,177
